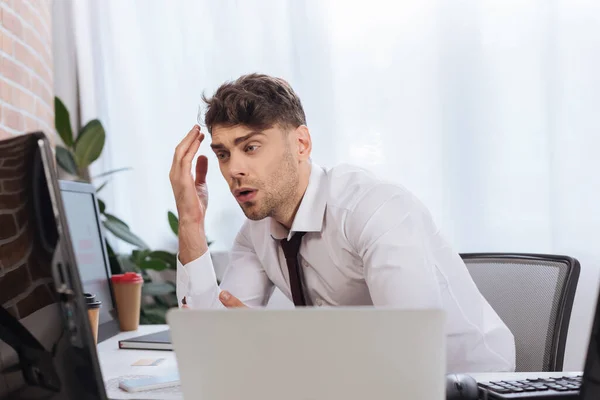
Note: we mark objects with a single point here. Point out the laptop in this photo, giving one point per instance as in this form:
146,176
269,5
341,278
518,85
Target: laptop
310,353
47,349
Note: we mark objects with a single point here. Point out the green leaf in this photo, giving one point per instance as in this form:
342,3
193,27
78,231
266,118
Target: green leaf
121,230
150,315
115,265
114,171
117,220
152,319
169,258
89,143
126,264
113,260
62,122
109,248
65,159
156,260
154,264
102,186
101,206
173,222
137,256
167,301
157,289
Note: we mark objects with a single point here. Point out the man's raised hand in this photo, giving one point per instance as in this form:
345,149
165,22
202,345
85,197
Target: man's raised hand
191,196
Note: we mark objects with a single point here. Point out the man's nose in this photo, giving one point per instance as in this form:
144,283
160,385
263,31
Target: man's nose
237,166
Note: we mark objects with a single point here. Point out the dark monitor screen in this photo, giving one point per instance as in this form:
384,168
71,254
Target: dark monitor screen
46,344
590,388
81,208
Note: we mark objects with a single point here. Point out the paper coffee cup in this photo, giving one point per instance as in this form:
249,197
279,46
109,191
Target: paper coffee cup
93,307
128,296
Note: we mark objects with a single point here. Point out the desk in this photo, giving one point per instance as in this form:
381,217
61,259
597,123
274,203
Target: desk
116,363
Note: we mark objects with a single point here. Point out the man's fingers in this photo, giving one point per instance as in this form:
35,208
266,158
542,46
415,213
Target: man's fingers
180,151
184,303
182,148
184,154
186,161
230,301
201,169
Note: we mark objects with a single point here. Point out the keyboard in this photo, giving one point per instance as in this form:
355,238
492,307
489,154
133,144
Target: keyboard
565,388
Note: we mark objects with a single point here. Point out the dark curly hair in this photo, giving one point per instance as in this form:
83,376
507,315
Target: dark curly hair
255,100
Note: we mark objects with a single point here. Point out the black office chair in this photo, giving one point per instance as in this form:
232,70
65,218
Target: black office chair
533,294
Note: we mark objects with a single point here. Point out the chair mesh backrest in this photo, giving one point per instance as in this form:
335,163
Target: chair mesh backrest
526,294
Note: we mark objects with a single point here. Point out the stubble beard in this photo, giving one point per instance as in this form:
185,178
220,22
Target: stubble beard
278,191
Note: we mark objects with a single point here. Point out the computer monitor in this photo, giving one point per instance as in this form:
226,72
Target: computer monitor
47,349
83,217
590,387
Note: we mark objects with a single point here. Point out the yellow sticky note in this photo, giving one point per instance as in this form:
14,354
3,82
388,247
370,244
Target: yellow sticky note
148,362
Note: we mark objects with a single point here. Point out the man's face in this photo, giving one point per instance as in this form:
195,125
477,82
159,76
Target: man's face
260,167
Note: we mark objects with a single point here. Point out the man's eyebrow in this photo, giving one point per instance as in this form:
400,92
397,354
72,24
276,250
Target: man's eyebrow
220,146
216,146
246,137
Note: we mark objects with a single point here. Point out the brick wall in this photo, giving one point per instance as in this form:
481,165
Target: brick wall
26,83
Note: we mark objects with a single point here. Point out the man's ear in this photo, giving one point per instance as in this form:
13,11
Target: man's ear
303,142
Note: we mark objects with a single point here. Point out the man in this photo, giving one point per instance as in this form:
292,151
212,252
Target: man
337,237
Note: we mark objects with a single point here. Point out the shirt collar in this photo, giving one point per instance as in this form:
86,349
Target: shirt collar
310,214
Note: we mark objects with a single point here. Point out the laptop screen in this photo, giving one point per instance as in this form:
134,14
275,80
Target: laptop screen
46,347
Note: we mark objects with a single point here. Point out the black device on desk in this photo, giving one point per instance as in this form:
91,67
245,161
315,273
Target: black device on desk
87,235
585,387
47,349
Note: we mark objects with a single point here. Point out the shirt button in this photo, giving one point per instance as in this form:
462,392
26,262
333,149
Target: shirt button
305,264
319,302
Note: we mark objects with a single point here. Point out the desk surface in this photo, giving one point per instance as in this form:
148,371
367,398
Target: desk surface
117,363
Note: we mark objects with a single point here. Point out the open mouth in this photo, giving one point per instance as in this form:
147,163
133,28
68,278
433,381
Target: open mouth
245,195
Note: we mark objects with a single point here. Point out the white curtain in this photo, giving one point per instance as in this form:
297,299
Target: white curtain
487,110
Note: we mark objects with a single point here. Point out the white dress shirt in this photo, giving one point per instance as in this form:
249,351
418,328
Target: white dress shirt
368,242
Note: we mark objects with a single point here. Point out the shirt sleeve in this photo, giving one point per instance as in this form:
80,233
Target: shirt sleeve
245,278
388,229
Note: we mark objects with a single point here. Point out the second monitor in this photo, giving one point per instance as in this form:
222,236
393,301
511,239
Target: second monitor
83,216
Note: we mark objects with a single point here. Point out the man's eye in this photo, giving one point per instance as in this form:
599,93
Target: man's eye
251,148
221,156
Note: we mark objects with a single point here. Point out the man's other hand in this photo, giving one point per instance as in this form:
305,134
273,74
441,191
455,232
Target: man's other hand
226,298
230,301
